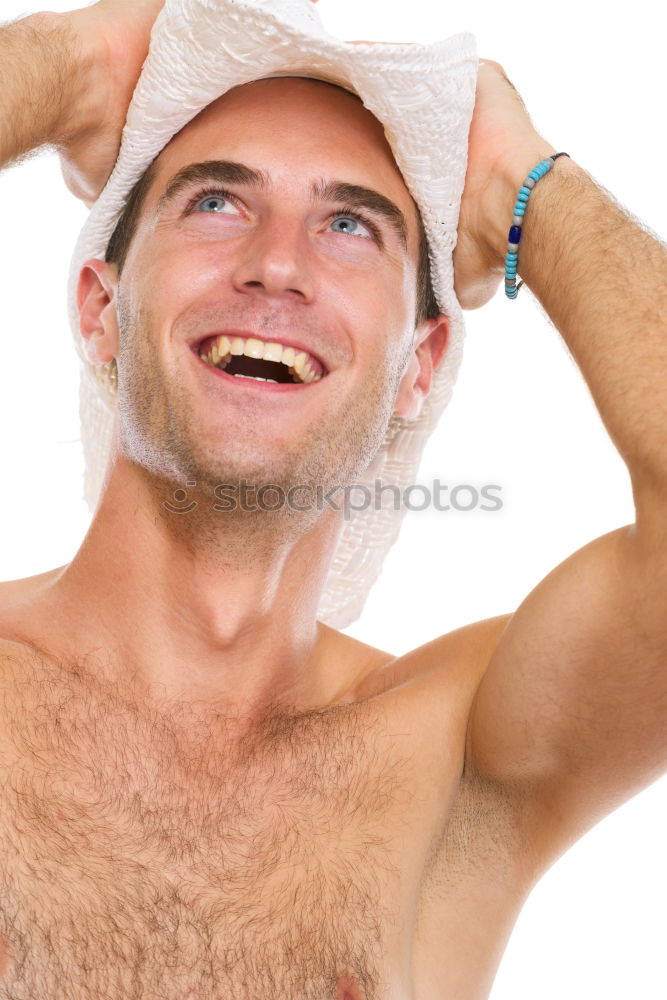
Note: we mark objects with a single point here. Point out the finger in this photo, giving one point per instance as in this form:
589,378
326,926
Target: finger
499,68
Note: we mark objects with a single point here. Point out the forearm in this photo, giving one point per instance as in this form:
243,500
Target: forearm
603,281
45,77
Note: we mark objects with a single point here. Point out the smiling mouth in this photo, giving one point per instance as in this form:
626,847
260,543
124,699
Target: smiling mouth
255,359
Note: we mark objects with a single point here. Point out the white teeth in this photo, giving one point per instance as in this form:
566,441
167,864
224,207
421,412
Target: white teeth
302,367
273,352
253,348
299,363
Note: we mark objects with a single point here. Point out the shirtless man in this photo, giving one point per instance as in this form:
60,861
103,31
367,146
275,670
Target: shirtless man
205,791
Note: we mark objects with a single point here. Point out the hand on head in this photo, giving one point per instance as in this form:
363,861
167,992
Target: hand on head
114,35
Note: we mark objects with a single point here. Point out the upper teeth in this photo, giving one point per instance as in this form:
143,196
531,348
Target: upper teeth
298,362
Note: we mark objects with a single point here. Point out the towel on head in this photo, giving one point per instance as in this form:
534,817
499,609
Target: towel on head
422,94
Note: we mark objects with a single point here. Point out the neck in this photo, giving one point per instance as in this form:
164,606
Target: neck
199,605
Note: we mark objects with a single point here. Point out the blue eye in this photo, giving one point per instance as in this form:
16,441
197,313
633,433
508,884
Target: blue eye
214,198
356,220
345,215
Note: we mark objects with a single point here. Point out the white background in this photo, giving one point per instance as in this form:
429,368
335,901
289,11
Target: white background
521,416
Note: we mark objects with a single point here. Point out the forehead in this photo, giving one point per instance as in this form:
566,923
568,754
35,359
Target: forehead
293,130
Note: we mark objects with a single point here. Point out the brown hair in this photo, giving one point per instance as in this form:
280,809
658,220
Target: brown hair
119,245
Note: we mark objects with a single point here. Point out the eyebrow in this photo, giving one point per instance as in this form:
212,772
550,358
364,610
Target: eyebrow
229,172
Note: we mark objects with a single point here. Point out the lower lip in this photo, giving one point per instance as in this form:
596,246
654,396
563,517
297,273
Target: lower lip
255,383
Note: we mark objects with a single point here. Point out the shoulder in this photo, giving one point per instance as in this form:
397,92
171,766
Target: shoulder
459,657
14,591
21,625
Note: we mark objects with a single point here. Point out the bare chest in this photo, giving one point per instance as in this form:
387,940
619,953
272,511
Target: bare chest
321,858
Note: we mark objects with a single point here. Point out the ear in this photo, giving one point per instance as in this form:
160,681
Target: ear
431,339
96,302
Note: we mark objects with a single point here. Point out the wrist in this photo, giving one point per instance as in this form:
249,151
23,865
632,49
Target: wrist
510,176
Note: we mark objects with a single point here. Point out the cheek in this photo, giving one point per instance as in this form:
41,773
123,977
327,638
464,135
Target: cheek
168,284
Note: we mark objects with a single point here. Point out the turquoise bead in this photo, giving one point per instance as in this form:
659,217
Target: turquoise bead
511,257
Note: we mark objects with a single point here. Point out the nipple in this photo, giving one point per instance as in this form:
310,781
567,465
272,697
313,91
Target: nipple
348,988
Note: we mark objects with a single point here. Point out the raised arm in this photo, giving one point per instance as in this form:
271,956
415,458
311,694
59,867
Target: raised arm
67,80
572,708
45,81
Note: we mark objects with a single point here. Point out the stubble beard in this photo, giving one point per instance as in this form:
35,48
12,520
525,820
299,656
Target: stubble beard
158,433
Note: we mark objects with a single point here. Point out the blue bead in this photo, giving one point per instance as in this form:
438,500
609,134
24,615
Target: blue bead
515,234
519,209
512,256
521,196
524,190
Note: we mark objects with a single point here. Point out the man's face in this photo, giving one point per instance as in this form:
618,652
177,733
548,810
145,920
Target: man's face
279,262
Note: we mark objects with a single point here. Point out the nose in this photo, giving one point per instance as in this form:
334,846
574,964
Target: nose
276,260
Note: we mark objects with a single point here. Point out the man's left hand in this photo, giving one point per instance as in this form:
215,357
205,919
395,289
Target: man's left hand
503,146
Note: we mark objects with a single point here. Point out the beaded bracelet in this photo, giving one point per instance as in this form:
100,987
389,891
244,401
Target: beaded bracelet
536,174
